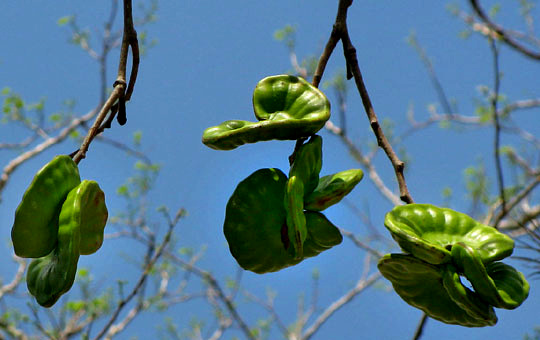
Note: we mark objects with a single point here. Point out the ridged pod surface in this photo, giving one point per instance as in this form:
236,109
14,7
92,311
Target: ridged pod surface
420,284
51,276
287,107
428,232
93,214
35,229
506,289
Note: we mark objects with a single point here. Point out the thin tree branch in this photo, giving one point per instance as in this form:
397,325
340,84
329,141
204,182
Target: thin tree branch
501,32
420,327
497,137
336,305
19,276
122,90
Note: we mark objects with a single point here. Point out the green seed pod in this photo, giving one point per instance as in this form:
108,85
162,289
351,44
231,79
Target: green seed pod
429,232
35,229
506,289
231,134
288,108
332,188
93,216
465,298
322,234
255,224
51,276
420,284
296,221
307,164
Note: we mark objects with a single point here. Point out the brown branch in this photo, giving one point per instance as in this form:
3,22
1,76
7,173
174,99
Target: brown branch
340,32
360,286
420,327
122,90
501,32
19,276
14,164
515,200
142,279
497,137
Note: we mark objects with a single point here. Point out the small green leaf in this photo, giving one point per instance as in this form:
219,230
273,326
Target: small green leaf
64,20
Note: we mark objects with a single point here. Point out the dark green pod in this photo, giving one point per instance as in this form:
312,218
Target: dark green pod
307,164
255,224
35,229
469,301
322,234
420,284
429,232
94,216
332,188
506,289
287,107
53,275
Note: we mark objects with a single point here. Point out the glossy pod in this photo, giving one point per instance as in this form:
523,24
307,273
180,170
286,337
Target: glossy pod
420,284
332,188
322,234
307,163
287,107
255,226
256,229
35,229
506,289
51,276
429,232
294,215
94,214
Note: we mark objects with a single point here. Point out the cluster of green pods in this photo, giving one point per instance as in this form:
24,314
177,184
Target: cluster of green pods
272,220
58,219
443,247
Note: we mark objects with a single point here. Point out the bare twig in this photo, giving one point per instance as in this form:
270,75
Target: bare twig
420,327
501,32
336,305
62,135
19,275
340,32
122,90
140,282
497,137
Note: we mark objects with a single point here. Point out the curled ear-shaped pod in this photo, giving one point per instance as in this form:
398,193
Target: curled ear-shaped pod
255,226
332,188
93,216
287,107
498,284
420,284
35,229
51,276
429,232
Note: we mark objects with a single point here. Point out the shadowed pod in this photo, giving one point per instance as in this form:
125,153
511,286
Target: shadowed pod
444,246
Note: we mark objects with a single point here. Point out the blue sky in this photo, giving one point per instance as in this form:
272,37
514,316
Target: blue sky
203,70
